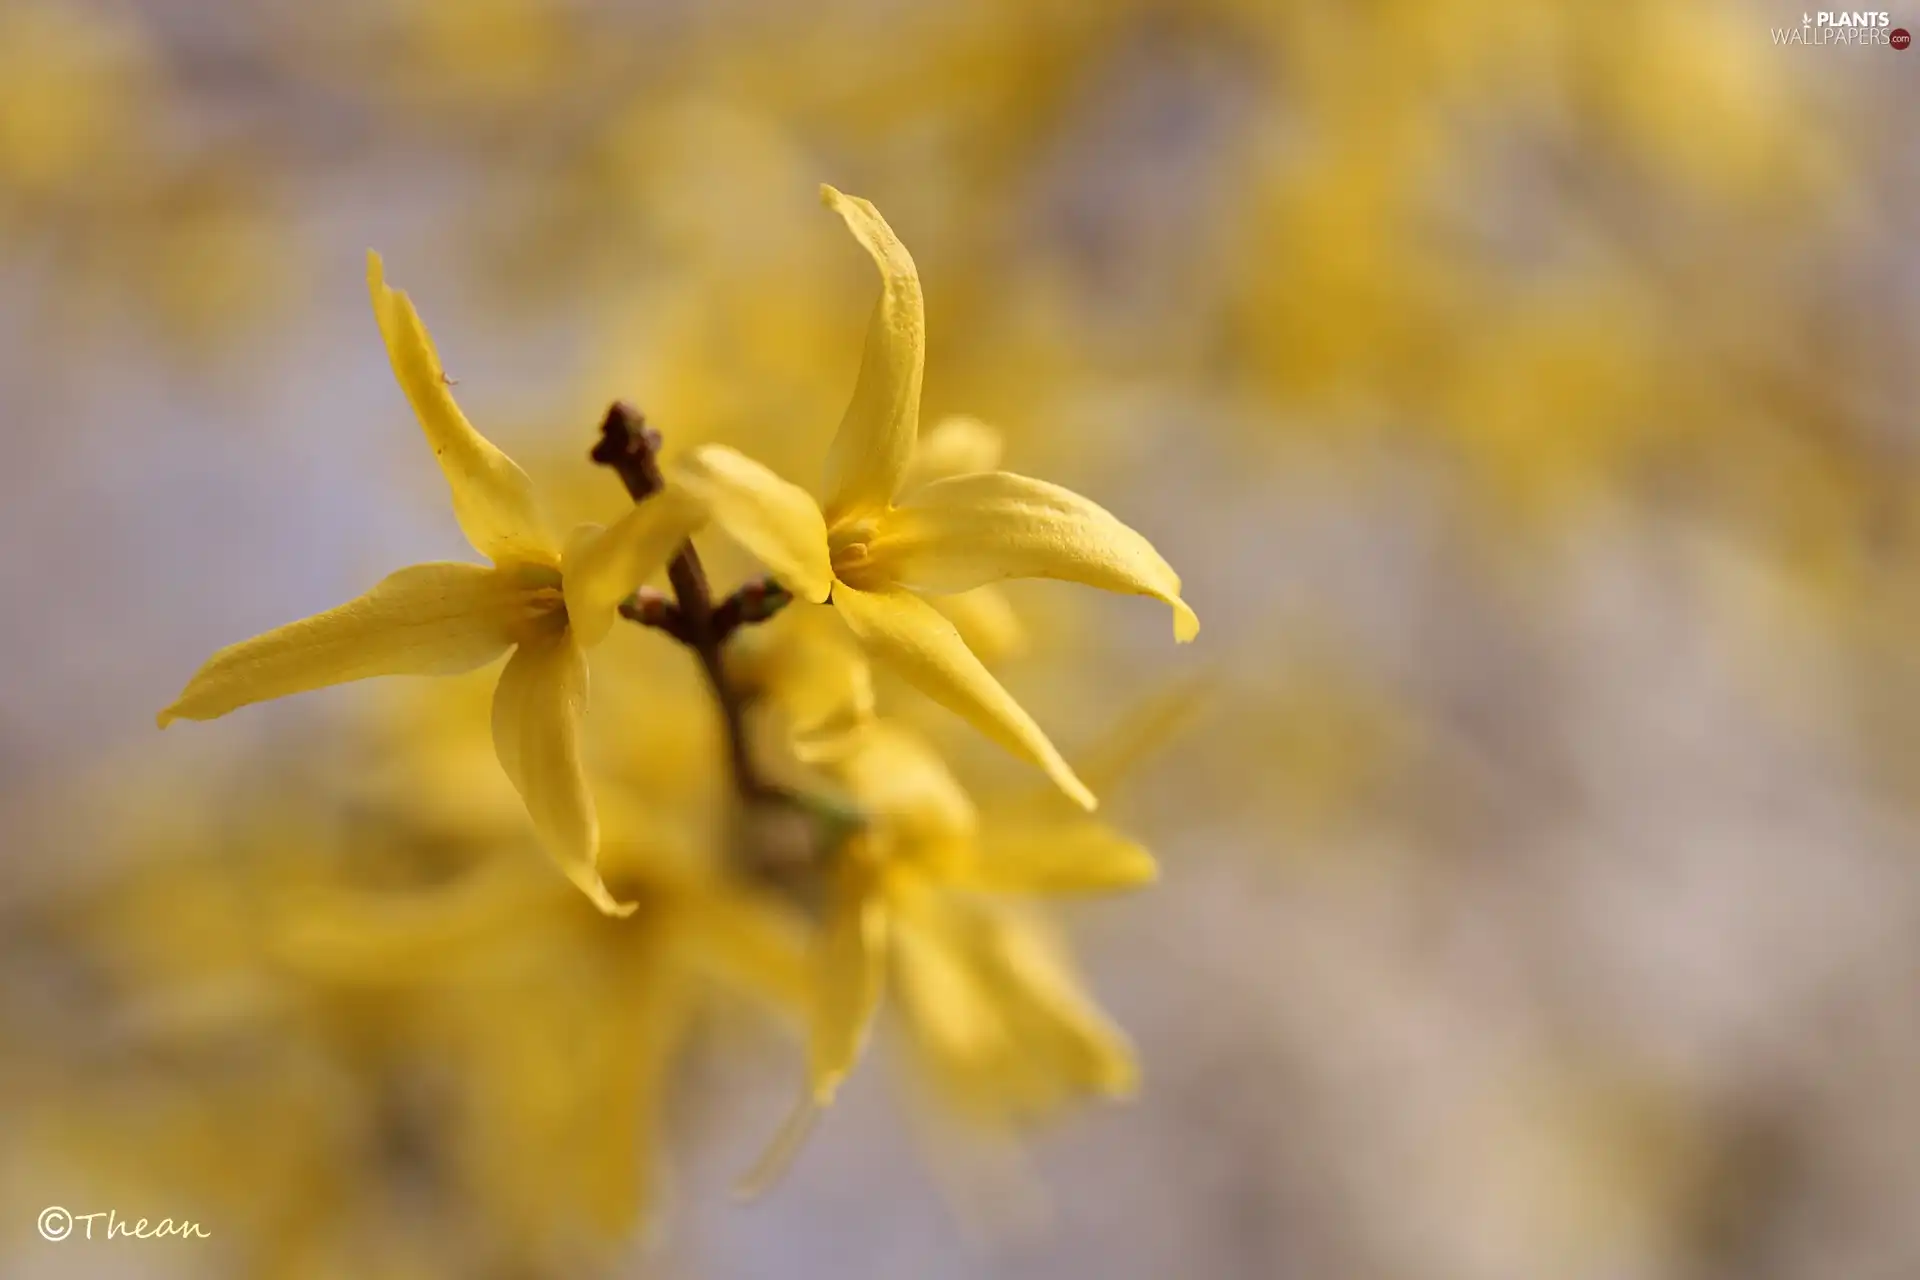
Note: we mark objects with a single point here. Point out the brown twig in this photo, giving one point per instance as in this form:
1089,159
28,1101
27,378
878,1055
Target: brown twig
631,449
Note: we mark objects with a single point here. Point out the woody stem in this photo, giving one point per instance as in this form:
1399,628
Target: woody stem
631,449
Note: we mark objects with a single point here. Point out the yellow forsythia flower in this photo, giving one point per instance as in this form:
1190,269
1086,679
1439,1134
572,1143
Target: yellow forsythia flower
545,603
873,546
915,893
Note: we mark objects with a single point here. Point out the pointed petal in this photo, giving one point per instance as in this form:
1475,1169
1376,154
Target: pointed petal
869,454
1071,856
954,446
946,1002
430,619
970,530
1097,1052
906,790
852,952
985,619
906,632
492,497
536,731
602,567
782,1150
813,677
777,522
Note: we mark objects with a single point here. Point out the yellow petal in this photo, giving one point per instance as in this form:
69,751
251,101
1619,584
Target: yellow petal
603,566
430,619
784,1148
1098,1052
536,731
813,677
1050,858
907,633
905,788
777,522
852,952
961,533
750,942
942,994
954,446
492,497
869,455
985,619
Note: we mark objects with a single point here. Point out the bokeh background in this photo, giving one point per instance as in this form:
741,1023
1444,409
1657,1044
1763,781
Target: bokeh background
1522,391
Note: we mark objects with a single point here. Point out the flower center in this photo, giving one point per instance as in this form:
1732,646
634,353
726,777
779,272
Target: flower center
850,549
536,606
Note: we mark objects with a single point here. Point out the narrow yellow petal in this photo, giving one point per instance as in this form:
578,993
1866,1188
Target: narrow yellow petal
777,522
1152,723
1099,1053
812,677
751,942
1071,856
851,974
492,497
537,710
961,533
954,446
869,455
903,786
985,619
430,619
773,1163
602,567
940,991
908,634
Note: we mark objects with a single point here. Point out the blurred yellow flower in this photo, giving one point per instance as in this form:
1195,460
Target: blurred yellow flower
546,603
922,892
873,546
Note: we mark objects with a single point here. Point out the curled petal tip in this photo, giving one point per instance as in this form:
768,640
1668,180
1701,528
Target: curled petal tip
1186,623
596,889
165,718
830,195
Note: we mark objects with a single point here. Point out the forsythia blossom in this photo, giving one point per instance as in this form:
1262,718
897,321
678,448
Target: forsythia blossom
916,895
545,602
870,549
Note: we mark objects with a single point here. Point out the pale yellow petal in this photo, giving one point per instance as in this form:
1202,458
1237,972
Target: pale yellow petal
1098,1051
430,619
1153,722
812,677
869,455
909,635
537,710
492,497
954,446
962,533
1070,856
777,522
851,958
906,790
985,619
603,566
781,1151
940,989
752,943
